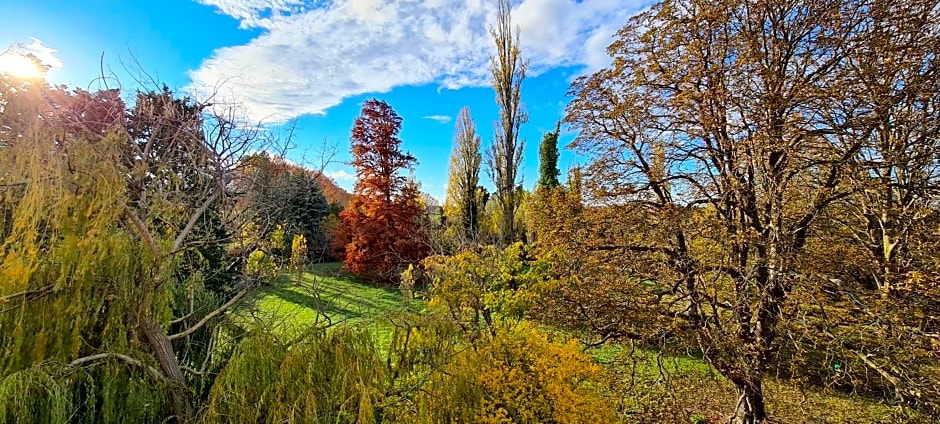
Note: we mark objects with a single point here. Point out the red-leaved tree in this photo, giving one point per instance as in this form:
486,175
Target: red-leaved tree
382,226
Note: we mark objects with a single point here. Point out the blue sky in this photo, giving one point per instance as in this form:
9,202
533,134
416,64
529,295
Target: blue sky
316,61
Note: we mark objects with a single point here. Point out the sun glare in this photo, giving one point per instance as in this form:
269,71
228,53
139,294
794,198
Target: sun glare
20,66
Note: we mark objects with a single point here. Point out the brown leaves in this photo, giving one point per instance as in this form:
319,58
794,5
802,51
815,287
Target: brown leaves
383,224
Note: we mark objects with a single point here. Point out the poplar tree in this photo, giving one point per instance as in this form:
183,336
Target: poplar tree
462,204
504,157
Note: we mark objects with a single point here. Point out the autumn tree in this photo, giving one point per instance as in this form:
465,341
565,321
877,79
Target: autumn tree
382,223
720,137
894,80
462,206
116,214
875,304
504,157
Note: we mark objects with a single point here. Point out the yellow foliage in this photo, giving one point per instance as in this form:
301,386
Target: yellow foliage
298,251
261,266
278,238
492,283
518,376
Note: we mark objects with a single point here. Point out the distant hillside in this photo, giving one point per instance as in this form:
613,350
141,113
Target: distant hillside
335,195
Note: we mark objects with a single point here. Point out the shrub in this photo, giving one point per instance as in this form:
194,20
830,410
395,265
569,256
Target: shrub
517,376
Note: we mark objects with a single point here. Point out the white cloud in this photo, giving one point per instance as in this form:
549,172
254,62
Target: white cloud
258,13
443,119
341,175
595,46
46,55
315,53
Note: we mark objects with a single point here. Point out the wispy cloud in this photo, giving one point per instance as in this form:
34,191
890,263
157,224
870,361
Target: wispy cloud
341,175
443,119
312,54
258,13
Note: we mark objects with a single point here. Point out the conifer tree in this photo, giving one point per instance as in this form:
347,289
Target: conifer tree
548,159
382,225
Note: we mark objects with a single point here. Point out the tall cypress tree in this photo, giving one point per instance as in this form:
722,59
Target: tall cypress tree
548,159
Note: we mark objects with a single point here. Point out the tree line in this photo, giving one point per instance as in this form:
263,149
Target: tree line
761,190
760,193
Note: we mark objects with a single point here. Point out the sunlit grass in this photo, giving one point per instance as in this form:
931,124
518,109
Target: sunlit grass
324,296
646,384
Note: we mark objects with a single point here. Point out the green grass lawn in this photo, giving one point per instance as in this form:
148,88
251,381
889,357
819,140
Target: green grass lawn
647,386
323,296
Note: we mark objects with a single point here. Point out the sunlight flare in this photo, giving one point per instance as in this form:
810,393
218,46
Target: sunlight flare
20,66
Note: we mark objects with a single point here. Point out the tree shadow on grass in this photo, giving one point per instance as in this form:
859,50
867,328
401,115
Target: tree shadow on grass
325,305
338,295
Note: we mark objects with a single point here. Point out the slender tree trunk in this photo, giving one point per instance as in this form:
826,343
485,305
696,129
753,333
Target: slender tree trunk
163,352
750,408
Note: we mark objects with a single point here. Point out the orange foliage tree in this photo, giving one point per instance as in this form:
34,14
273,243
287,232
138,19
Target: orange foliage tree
383,225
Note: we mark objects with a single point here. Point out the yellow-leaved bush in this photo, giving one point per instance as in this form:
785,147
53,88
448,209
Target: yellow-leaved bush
298,251
481,287
261,266
503,369
526,378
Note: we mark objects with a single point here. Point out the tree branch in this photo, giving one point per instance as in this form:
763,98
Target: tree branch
41,290
613,335
123,358
190,370
881,371
142,230
193,219
182,318
209,317
603,248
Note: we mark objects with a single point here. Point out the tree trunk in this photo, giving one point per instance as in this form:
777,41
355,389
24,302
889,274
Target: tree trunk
750,408
163,352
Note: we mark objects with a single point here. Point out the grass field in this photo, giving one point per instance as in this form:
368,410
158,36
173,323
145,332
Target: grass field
650,387
646,386
324,296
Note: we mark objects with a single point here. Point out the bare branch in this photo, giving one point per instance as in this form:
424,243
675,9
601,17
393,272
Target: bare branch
211,315
181,237
26,293
182,318
142,231
123,358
